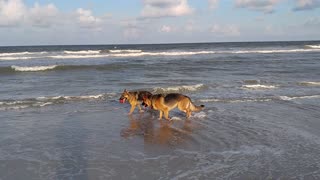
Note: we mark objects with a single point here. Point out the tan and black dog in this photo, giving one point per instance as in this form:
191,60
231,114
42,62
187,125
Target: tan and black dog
165,103
135,98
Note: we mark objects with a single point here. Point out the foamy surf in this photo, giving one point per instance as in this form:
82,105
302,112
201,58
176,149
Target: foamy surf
125,51
258,87
313,46
274,51
243,100
289,98
21,53
33,68
83,52
78,56
50,100
305,83
179,89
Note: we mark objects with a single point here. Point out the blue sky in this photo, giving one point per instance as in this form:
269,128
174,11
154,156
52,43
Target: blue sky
48,22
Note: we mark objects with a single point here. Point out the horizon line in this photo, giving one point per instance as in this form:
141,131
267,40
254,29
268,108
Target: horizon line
161,43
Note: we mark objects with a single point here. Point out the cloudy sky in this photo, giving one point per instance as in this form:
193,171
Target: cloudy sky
29,22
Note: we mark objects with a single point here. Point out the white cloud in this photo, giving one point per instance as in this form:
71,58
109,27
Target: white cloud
306,5
43,16
12,12
165,8
266,6
312,22
15,13
86,19
166,29
225,30
213,3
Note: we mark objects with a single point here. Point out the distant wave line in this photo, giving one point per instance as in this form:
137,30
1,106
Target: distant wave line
313,46
21,53
49,100
138,53
33,68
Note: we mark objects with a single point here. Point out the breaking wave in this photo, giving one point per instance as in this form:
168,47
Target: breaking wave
274,51
258,87
313,46
21,53
33,68
233,100
179,89
288,98
309,83
67,54
50,100
125,51
260,99
83,52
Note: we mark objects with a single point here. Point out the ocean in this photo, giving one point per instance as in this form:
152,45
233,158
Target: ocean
60,117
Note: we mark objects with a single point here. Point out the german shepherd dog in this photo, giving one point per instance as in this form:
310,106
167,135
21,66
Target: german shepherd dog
165,103
135,98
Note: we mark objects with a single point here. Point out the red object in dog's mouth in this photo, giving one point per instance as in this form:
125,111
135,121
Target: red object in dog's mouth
122,100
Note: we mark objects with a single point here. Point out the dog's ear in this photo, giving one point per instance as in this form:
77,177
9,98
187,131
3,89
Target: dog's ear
125,90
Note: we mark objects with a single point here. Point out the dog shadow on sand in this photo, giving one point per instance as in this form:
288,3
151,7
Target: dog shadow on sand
155,131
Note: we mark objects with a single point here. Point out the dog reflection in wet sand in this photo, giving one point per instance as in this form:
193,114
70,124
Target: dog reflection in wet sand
157,132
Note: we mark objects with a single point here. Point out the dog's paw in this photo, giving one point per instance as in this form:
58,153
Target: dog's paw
141,111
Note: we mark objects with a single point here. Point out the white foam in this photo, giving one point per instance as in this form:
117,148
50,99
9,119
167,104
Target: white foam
188,88
313,46
78,56
21,53
274,51
287,98
200,115
83,52
126,50
258,87
33,68
235,100
174,118
98,96
310,83
15,58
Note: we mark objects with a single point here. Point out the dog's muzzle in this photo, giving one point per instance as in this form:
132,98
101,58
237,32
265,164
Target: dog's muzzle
122,100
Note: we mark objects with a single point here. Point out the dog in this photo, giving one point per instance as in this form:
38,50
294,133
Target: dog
135,98
165,103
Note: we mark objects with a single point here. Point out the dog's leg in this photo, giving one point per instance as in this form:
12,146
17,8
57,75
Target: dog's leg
188,113
160,115
166,114
132,109
140,109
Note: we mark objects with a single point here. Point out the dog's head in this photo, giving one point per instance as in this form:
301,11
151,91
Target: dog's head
124,96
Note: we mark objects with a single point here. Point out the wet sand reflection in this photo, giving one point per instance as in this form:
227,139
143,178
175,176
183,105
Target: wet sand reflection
155,131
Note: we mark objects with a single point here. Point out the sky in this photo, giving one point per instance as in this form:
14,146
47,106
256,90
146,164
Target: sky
61,22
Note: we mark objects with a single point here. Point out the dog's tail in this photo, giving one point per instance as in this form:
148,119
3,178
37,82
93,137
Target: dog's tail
196,108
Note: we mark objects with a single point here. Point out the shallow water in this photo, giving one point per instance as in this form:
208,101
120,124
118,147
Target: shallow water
61,119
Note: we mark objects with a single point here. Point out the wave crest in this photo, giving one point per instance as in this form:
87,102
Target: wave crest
179,89
83,52
309,83
33,68
125,51
313,46
45,101
288,98
258,87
